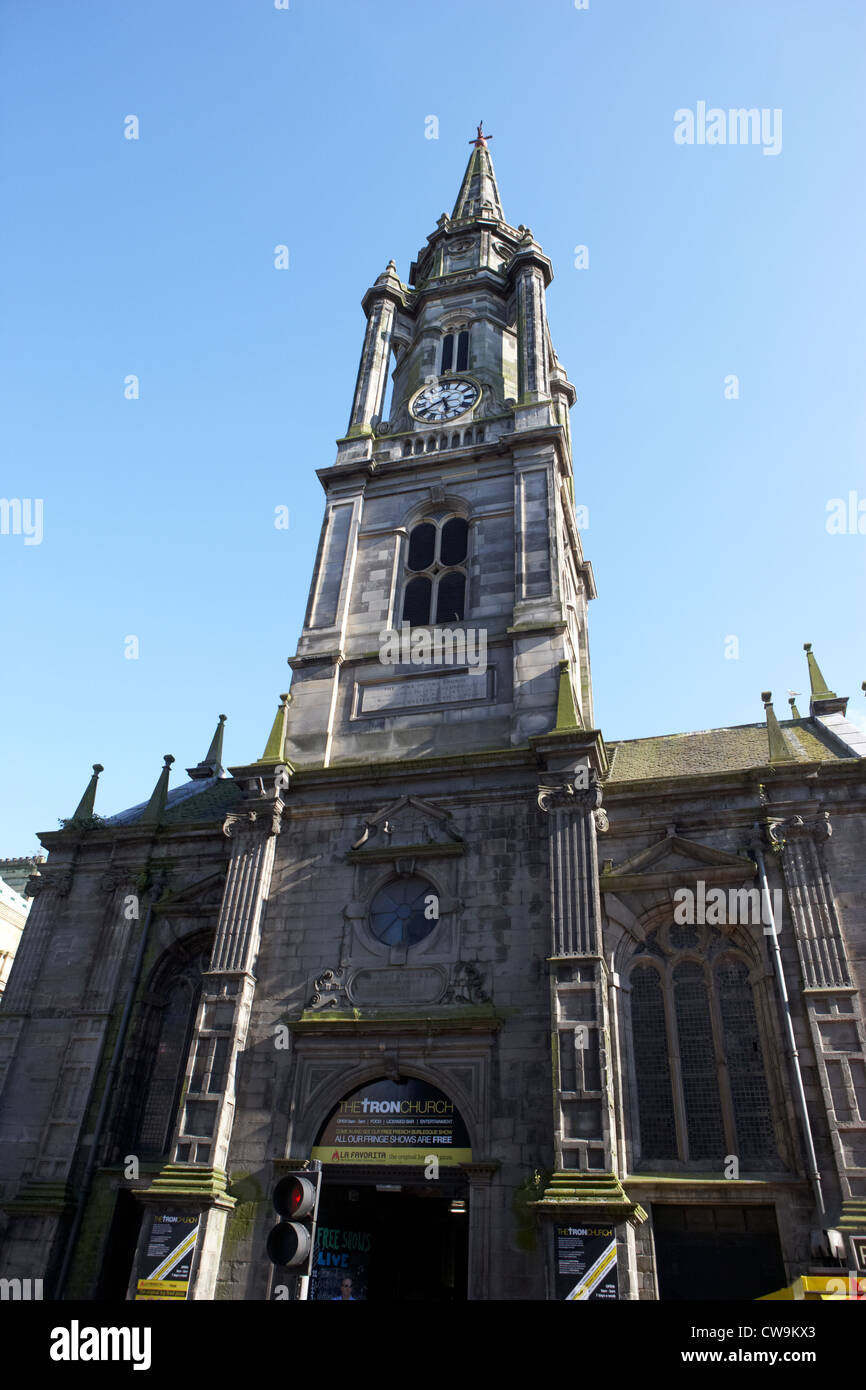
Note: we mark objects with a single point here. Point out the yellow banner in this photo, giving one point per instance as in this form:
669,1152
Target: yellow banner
392,1156
161,1288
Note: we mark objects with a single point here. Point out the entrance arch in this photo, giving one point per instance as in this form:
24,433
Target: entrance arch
393,1213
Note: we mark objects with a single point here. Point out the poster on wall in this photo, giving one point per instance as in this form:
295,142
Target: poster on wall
341,1264
167,1263
585,1263
394,1122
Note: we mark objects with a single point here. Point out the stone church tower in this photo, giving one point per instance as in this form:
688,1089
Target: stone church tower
411,929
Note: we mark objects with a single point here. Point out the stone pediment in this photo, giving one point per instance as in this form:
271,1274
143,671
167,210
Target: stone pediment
408,828
194,899
673,862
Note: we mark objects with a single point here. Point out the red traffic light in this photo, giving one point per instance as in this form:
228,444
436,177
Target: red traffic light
295,1196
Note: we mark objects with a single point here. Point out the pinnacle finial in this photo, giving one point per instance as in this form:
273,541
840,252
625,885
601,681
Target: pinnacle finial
275,746
779,750
88,801
566,714
211,764
153,811
819,687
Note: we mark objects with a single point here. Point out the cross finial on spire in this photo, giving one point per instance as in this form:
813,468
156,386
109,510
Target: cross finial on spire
480,141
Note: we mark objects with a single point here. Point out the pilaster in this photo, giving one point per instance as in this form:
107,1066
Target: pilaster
830,1000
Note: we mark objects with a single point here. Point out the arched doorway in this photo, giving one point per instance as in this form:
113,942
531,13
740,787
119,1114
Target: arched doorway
393,1213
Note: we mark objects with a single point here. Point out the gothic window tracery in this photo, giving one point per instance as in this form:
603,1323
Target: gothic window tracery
698,1060
436,567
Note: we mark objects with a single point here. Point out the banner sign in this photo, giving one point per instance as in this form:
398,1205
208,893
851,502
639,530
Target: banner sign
167,1261
340,1266
585,1263
394,1122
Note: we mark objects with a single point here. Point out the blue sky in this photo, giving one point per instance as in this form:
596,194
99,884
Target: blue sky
306,127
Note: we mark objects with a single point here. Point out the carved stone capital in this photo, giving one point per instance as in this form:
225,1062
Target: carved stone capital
267,820
568,796
59,880
801,828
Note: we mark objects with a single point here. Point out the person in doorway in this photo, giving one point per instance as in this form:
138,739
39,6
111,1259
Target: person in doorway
345,1295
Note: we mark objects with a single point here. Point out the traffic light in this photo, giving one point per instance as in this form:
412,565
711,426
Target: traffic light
292,1241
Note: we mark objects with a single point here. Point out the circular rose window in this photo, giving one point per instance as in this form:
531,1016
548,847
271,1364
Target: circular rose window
404,912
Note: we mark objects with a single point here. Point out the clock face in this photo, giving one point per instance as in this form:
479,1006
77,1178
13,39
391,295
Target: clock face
444,400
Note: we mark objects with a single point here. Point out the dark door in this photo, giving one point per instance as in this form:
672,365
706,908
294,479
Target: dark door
715,1253
395,1241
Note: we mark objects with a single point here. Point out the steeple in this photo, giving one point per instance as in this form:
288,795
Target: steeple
479,195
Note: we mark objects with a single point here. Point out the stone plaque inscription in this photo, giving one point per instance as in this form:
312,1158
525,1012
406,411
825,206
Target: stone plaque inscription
423,691
397,986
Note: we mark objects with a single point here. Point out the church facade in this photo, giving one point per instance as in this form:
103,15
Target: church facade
560,1018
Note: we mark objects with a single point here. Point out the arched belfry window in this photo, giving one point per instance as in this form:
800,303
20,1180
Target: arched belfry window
698,1066
436,567
455,352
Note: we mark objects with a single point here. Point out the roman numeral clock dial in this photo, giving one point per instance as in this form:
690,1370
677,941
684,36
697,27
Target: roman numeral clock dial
446,400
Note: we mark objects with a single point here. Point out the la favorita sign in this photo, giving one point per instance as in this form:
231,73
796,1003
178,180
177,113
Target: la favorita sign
394,1122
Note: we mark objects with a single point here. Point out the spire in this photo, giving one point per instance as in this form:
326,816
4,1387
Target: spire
795,713
823,699
211,765
153,811
88,801
779,750
275,746
479,195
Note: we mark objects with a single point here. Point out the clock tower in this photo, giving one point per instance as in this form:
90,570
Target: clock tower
455,511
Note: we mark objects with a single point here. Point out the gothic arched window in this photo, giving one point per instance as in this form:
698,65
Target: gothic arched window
698,1063
435,580
151,1083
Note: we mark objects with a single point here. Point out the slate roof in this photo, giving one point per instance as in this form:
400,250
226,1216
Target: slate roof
717,750
200,800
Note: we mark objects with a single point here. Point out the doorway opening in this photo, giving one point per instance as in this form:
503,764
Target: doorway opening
120,1249
716,1253
388,1236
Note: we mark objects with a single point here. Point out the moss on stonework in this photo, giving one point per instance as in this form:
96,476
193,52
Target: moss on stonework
528,1192
248,1192
87,1261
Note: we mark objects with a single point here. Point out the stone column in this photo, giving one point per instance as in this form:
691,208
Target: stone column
49,888
195,1182
831,1003
532,274
585,1186
480,1177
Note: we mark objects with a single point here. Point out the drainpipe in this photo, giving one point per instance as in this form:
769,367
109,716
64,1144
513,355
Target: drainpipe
113,1069
794,1056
